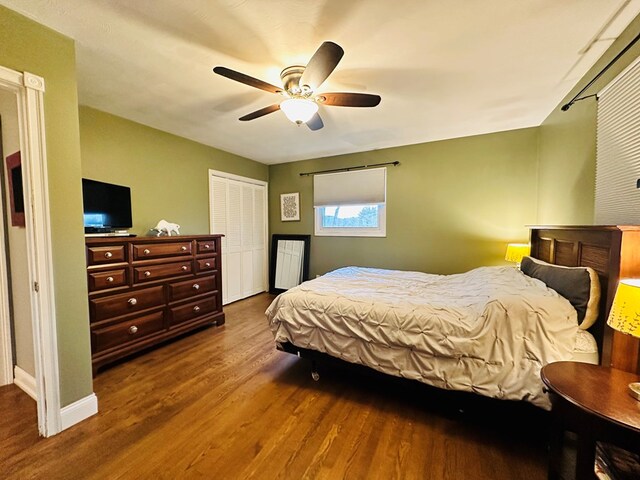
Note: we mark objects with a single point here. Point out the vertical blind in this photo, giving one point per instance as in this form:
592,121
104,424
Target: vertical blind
618,150
358,187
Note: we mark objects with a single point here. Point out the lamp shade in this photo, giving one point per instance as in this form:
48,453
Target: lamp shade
299,110
516,251
625,311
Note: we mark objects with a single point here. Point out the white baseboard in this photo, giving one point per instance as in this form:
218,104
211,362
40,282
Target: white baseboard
25,382
78,411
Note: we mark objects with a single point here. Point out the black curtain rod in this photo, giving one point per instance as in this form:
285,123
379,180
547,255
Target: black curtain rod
347,169
567,106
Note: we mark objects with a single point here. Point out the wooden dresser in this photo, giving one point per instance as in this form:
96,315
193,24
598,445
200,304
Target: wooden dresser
144,290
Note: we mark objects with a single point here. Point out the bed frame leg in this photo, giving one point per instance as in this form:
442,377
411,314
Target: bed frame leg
314,371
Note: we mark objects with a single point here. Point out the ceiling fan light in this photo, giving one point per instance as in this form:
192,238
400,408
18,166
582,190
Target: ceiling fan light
299,110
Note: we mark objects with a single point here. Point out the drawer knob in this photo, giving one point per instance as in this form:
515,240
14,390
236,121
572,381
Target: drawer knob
207,246
147,273
183,248
207,264
184,268
109,279
108,255
133,329
132,301
196,309
146,251
196,286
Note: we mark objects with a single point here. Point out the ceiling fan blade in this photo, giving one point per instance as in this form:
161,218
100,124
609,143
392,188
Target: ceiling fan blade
246,79
323,62
315,123
260,113
343,99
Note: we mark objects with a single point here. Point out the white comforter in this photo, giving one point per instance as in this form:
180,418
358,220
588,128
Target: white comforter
487,331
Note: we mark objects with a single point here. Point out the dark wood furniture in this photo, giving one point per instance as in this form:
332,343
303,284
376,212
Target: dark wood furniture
614,253
593,402
145,290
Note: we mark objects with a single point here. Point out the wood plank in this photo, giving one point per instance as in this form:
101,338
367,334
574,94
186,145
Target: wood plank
223,403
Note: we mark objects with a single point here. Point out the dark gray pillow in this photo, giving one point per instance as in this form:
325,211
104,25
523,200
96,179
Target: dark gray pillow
576,284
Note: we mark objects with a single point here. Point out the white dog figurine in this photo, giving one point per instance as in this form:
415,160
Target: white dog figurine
165,228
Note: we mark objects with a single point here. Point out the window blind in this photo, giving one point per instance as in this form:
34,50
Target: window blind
618,150
359,187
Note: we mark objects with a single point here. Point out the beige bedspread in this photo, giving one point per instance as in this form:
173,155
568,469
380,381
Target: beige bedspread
487,331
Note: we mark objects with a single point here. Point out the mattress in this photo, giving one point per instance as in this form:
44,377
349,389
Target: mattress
487,331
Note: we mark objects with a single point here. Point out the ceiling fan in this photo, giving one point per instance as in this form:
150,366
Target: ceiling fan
300,85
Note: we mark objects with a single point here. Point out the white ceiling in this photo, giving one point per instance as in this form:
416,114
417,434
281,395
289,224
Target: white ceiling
444,69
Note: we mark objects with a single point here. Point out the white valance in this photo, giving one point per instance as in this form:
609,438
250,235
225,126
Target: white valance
358,187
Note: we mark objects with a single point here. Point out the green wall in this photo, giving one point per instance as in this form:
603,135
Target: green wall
168,175
451,205
566,193
28,46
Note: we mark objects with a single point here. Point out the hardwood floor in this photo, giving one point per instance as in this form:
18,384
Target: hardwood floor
223,403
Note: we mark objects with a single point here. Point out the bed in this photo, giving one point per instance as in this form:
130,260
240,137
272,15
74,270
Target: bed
487,331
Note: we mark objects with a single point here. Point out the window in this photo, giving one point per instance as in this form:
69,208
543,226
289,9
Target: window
351,220
618,147
350,204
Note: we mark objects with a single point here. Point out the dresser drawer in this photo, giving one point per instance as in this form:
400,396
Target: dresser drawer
107,254
191,288
128,331
124,303
206,246
155,272
206,264
154,250
193,310
108,279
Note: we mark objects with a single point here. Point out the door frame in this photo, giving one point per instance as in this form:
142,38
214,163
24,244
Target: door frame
29,90
6,345
254,181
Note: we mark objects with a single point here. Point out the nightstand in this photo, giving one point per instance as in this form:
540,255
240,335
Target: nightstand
593,402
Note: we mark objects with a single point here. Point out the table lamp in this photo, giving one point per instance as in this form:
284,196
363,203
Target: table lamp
515,252
625,316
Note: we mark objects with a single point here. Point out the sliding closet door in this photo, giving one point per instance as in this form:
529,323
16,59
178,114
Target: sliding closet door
238,212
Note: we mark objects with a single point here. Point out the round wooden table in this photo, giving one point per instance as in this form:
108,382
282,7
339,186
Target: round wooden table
593,402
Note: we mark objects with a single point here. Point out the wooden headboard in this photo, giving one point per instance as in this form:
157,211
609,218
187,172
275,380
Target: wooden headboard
614,253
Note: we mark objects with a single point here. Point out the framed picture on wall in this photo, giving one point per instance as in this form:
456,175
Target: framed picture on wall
16,192
290,207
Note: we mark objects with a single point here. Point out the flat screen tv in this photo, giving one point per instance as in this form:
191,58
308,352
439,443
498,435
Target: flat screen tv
107,207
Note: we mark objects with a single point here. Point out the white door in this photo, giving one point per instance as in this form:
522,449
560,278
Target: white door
238,211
